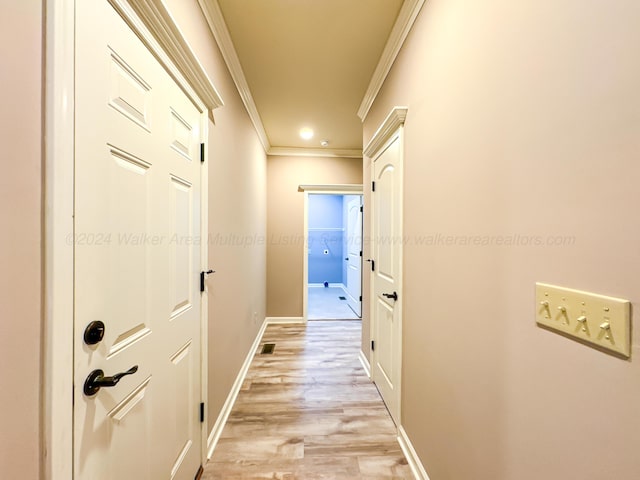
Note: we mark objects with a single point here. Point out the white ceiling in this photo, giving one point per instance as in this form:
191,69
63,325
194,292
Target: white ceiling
305,63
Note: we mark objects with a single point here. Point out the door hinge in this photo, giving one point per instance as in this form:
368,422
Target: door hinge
373,186
203,276
202,152
201,412
360,297
360,252
373,345
373,265
361,210
199,473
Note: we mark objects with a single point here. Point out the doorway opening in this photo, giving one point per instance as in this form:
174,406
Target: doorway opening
333,279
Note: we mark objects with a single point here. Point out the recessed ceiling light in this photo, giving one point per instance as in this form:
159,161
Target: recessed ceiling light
324,143
306,133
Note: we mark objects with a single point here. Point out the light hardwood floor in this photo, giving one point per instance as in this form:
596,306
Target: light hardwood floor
308,411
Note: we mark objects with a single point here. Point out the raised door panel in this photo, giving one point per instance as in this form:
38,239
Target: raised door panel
182,394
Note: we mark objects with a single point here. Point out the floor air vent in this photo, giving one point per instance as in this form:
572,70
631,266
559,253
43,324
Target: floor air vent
342,298
268,348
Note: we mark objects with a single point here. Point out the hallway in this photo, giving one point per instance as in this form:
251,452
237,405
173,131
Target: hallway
308,411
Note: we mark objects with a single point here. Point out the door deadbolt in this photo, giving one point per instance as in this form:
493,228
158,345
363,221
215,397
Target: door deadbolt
94,333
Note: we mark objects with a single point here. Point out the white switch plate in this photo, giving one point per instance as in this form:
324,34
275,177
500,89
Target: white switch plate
597,319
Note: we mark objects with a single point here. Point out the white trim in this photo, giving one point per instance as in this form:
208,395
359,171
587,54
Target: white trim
404,22
315,152
158,20
57,363
215,19
338,189
386,130
410,454
305,255
365,363
271,320
221,421
128,11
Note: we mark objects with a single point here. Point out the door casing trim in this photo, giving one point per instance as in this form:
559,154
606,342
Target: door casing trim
57,358
338,189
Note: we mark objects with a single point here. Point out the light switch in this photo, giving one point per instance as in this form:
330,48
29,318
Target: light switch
597,319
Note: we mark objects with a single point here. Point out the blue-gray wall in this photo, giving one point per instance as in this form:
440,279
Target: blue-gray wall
326,232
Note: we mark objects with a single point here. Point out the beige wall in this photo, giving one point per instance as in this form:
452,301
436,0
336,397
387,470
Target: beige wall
237,214
524,119
20,241
285,227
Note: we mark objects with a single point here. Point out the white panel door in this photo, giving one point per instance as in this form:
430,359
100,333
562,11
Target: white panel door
354,255
137,258
387,275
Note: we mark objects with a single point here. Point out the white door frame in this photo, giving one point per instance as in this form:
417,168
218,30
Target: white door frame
172,51
391,129
338,189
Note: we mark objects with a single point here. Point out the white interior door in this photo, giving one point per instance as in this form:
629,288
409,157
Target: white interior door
137,258
354,254
386,244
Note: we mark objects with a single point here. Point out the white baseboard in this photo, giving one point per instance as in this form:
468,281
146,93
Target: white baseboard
365,363
321,285
285,320
221,421
412,457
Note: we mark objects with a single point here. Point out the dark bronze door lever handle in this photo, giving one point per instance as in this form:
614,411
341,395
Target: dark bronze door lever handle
96,380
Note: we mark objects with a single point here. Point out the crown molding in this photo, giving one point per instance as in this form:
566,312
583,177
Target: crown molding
215,20
404,22
314,152
158,20
393,121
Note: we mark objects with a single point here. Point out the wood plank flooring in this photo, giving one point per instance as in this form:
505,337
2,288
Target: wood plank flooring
308,411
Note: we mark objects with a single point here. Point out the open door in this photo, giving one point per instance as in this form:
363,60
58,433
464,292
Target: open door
137,334
346,191
354,253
